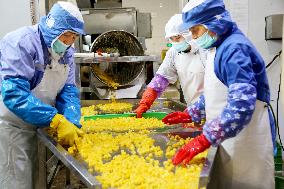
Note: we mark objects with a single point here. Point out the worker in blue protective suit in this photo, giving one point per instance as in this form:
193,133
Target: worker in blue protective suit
183,62
38,90
236,94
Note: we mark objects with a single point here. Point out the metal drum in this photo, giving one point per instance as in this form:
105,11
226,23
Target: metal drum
113,43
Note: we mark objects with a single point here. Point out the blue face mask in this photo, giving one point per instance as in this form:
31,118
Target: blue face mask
205,41
59,47
180,46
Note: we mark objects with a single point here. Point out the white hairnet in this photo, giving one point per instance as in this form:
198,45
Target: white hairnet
174,26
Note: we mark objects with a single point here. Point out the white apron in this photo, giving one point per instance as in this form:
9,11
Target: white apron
18,141
245,161
190,69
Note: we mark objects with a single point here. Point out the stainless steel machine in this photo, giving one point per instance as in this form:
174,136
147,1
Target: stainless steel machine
116,39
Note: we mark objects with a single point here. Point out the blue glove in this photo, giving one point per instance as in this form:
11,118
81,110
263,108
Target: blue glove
68,104
18,98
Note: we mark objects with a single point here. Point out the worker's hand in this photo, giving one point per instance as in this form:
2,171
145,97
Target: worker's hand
142,108
67,132
191,149
148,97
177,117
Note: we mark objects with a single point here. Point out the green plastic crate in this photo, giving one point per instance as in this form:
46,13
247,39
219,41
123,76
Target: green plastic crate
278,159
158,115
279,182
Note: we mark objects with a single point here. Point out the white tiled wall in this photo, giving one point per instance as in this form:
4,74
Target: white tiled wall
161,11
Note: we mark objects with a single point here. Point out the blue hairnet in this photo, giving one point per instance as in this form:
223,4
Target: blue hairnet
211,13
59,20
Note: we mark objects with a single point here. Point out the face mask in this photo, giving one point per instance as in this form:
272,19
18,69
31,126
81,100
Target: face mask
59,47
205,41
180,46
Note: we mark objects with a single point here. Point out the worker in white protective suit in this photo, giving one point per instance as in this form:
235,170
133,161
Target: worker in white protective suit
37,78
236,99
182,62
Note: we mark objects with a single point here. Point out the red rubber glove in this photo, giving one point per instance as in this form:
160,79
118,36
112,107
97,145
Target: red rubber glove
177,117
191,149
148,97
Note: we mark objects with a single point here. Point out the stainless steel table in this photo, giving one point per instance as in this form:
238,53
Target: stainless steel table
80,169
